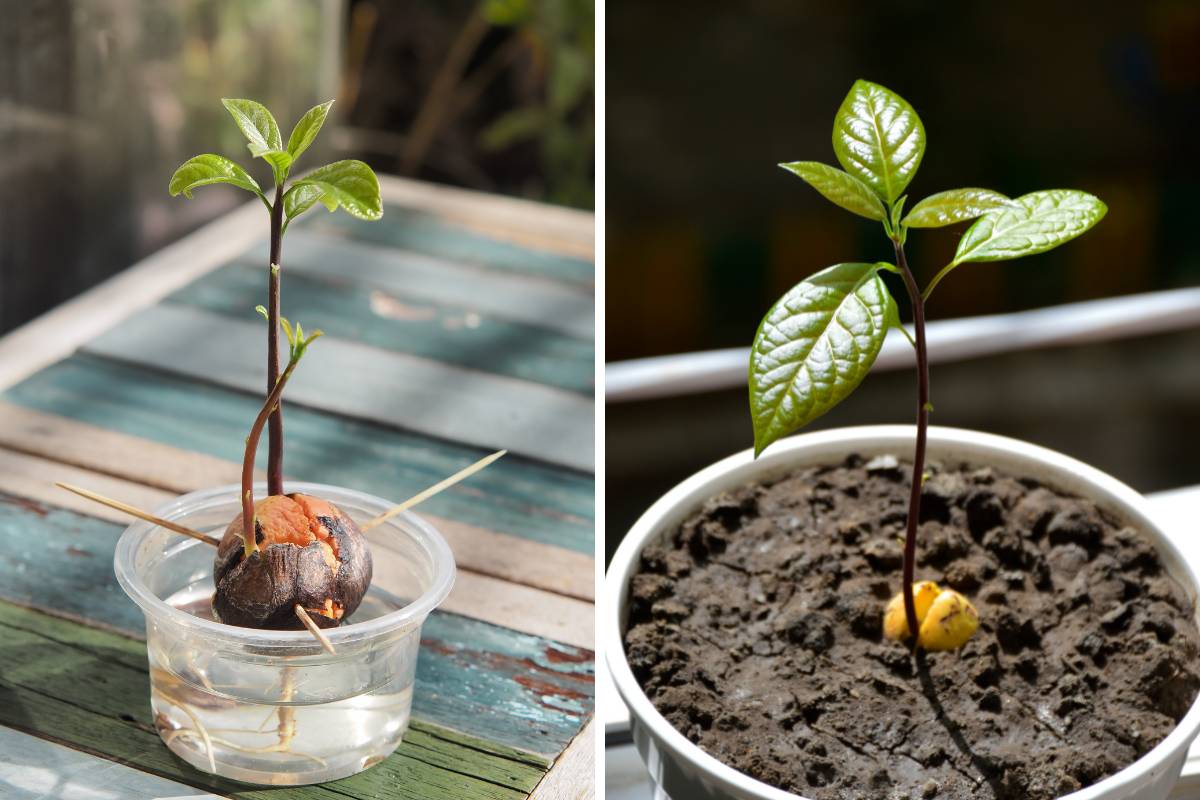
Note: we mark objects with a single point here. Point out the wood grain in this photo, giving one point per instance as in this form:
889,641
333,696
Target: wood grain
535,225
37,449
420,232
25,481
40,695
471,675
392,389
546,304
515,496
573,776
404,321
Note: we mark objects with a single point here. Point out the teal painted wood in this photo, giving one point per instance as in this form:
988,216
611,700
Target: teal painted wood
351,379
514,495
413,230
90,689
565,309
516,689
35,769
403,322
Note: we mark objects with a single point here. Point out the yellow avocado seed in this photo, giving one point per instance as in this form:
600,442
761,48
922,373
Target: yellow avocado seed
951,621
947,619
895,624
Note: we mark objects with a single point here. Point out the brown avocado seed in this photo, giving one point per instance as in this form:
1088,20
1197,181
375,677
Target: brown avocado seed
310,553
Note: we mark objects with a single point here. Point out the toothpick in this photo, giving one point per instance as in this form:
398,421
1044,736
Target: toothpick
432,490
137,512
317,633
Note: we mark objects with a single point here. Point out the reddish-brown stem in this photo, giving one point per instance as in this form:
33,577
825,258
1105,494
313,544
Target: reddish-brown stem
275,437
248,540
918,473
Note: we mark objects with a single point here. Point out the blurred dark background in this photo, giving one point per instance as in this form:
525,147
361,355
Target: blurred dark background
704,232
100,101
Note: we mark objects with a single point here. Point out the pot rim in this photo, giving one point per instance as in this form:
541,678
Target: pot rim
441,560
1073,476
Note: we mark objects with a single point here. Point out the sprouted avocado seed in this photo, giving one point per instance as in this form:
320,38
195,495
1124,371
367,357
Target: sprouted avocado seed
947,619
309,554
817,343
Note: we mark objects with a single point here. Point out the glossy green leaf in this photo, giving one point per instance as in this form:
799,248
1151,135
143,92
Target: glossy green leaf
839,188
878,138
256,124
955,205
299,199
350,184
208,169
814,347
280,161
1034,223
306,129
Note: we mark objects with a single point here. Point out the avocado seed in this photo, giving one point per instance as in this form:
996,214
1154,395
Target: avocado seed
309,553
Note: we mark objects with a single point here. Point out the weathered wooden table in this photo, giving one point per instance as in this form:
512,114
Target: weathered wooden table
459,324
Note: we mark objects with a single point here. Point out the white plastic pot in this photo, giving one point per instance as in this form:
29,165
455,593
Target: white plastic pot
684,772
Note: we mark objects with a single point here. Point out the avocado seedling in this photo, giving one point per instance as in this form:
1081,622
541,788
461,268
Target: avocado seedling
285,552
817,343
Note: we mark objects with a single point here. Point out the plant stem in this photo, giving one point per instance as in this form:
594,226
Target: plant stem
248,541
918,470
275,437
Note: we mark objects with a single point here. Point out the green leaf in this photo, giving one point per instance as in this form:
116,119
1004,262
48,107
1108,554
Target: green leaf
350,184
839,188
1034,223
878,138
306,129
207,169
280,162
955,205
815,346
299,199
256,124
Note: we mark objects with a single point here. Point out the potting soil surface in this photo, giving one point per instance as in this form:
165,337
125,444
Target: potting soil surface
755,629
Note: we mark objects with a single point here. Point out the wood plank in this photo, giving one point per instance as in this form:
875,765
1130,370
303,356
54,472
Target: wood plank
573,776
538,225
393,389
402,321
471,675
481,597
57,333
475,549
512,496
36,769
421,232
533,301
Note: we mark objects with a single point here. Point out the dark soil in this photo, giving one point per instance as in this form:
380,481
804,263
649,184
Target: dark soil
756,631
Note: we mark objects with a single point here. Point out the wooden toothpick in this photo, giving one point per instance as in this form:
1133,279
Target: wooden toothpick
137,512
317,633
432,490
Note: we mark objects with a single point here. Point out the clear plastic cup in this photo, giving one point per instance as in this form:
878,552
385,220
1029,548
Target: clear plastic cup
272,707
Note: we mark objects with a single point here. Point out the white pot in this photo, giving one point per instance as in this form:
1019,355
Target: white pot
685,772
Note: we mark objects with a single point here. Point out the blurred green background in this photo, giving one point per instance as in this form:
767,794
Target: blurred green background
100,101
704,232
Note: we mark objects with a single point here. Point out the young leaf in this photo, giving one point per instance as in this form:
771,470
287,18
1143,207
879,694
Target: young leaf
280,162
207,169
306,129
815,346
879,138
299,199
955,205
351,184
256,123
1034,223
839,188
